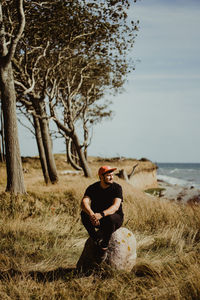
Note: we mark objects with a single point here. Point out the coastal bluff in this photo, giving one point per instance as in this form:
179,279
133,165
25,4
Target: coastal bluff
143,174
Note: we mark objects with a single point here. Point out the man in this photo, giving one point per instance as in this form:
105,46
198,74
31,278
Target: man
102,208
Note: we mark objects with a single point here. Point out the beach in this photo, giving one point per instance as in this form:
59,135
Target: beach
180,181
183,194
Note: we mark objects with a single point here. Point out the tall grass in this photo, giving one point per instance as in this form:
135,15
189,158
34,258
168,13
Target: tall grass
41,239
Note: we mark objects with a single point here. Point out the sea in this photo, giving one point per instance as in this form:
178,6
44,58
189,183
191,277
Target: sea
183,174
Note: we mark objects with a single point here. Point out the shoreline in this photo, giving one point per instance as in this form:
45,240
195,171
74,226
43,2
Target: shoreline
178,193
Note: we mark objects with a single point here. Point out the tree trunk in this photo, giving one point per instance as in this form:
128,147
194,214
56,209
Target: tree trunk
66,144
15,179
1,151
85,153
47,143
72,155
2,141
83,161
71,134
41,149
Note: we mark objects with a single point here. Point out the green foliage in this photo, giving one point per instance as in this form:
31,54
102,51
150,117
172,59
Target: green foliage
73,53
155,191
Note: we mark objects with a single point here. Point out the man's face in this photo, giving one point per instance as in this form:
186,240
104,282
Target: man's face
108,178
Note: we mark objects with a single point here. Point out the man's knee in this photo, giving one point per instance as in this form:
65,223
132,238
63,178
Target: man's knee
114,219
85,218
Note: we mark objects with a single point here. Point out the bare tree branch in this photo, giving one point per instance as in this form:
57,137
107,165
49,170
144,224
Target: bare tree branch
34,70
62,127
39,4
21,17
25,126
132,172
21,84
82,35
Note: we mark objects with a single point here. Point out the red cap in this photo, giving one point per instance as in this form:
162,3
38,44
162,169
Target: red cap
106,169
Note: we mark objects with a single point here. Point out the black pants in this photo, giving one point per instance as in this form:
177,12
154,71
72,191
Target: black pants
107,226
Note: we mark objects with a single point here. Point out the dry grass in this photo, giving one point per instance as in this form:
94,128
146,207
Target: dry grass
41,238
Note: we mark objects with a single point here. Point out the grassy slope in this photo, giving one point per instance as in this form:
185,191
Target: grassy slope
41,238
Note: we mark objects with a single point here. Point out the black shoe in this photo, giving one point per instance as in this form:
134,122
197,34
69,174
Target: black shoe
101,255
103,245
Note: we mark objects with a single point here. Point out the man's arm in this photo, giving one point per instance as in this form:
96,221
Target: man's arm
111,210
86,207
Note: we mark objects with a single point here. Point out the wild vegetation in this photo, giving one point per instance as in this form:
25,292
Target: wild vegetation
41,238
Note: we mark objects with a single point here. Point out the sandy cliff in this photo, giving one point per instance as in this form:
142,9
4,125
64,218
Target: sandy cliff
142,176
144,179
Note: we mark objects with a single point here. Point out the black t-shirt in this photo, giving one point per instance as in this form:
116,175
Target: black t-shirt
101,199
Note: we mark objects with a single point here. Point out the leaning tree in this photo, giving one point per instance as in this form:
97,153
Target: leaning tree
90,48
74,100
11,30
2,140
29,71
101,65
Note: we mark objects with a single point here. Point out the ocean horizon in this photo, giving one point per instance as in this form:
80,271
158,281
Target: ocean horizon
183,174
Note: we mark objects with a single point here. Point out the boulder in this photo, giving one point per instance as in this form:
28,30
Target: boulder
122,250
121,253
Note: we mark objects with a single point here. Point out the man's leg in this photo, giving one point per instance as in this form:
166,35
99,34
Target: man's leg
100,254
88,225
108,225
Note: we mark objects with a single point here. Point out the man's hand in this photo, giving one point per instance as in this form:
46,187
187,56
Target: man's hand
98,216
95,219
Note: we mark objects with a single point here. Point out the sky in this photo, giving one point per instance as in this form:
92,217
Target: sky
158,114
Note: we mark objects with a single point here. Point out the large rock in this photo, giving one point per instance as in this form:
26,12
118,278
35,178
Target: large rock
121,253
122,250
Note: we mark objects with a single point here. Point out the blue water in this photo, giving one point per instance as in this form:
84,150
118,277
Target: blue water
184,174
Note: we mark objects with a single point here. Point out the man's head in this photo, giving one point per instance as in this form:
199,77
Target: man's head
106,175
